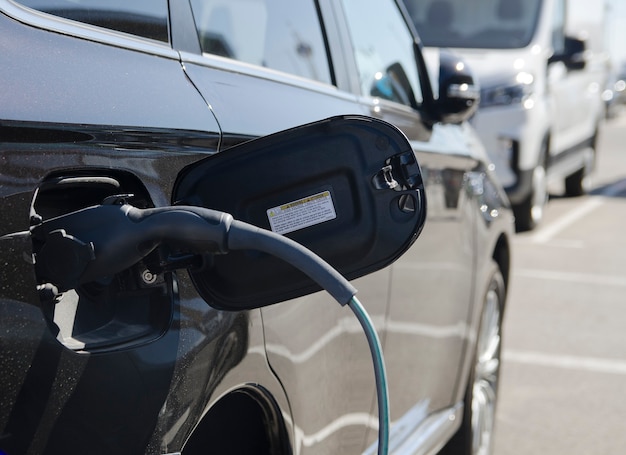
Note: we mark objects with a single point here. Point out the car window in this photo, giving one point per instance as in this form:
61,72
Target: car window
284,35
483,24
558,27
384,50
145,18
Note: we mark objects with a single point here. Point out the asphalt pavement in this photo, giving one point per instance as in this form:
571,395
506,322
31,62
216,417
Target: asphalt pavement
563,384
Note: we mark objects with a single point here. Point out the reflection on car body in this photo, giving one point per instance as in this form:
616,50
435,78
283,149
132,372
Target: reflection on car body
96,112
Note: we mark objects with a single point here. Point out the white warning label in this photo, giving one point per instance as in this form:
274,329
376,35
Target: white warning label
302,213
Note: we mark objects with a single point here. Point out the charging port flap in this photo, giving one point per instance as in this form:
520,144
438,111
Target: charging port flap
348,188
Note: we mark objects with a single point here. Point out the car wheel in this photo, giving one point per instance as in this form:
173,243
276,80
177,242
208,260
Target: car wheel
529,213
579,183
475,436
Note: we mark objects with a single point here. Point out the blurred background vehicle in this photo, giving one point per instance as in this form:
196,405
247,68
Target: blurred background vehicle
615,36
541,78
614,94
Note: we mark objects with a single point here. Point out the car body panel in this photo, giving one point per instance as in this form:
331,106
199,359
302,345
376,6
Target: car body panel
439,337
313,345
89,88
129,124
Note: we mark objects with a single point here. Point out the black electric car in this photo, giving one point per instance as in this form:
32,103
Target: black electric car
137,136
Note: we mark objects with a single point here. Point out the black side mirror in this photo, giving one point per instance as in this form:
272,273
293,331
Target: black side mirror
347,188
459,94
573,55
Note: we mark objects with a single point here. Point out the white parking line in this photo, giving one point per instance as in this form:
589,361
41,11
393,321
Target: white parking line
545,234
582,278
590,364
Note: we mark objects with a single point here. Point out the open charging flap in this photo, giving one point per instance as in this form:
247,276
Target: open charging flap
348,188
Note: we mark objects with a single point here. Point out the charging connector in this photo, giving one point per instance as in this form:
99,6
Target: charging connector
101,241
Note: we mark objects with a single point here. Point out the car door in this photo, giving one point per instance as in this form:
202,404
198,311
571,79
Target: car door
574,92
316,350
265,67
562,85
426,329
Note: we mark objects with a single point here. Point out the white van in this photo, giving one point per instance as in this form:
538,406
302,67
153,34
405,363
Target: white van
540,101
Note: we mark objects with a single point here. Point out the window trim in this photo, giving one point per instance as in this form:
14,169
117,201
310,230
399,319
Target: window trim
249,69
344,72
183,31
85,31
327,47
350,61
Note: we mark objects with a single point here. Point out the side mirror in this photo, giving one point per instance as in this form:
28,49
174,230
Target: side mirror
348,188
459,94
573,55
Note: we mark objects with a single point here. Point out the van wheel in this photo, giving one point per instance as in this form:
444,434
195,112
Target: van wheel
579,183
529,213
475,436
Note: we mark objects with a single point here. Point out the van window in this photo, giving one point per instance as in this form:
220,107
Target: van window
558,27
145,18
284,35
384,51
486,24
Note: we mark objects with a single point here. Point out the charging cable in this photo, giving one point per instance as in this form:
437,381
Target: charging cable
100,241
382,390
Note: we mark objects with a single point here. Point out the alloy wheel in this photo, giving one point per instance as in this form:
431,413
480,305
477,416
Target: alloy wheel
487,369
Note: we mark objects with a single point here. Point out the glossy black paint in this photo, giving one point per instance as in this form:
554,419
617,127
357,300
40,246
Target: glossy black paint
459,93
44,384
96,84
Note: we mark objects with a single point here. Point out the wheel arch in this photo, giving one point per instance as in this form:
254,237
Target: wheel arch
502,257
245,420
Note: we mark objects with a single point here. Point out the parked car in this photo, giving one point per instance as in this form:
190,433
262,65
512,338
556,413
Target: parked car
541,90
115,341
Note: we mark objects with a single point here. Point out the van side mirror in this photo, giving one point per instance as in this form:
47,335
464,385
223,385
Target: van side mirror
459,93
573,55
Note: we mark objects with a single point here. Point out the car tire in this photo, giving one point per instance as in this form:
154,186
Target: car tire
579,183
475,435
529,213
